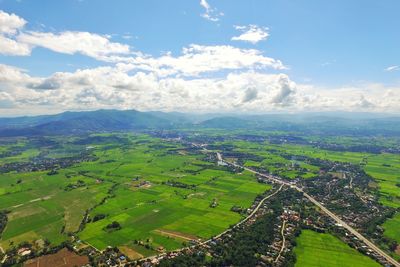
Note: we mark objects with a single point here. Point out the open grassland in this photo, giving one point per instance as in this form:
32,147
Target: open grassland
324,250
159,192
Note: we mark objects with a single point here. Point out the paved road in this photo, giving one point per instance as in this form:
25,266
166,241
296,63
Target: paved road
283,240
328,212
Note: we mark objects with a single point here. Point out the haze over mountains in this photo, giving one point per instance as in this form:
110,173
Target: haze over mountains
132,120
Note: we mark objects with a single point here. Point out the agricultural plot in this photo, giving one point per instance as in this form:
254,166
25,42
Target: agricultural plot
324,250
40,208
160,194
392,227
276,161
165,199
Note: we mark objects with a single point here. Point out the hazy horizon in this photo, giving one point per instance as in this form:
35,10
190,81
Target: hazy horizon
337,113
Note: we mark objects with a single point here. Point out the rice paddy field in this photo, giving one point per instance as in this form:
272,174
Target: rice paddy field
160,193
392,227
324,250
275,161
163,194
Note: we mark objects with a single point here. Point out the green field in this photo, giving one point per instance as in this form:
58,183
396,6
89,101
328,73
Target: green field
392,227
161,196
275,160
160,192
324,250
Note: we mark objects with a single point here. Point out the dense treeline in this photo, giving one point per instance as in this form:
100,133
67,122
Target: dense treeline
242,248
3,220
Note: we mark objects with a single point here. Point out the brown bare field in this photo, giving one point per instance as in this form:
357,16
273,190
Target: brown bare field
64,258
130,253
397,250
176,234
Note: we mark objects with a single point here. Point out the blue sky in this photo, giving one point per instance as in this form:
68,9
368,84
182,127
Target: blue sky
327,48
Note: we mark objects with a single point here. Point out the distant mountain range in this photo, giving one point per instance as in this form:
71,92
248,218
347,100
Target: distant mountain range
132,120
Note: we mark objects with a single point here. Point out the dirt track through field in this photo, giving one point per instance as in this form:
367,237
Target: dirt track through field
175,234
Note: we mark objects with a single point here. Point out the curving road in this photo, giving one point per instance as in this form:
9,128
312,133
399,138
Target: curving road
328,212
283,241
219,235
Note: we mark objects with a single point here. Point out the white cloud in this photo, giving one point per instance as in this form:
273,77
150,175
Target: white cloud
392,68
245,91
201,78
13,75
10,47
199,59
113,87
69,42
17,42
6,101
211,14
10,23
251,33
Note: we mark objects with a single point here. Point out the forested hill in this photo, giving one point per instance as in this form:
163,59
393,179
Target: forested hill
132,120
83,122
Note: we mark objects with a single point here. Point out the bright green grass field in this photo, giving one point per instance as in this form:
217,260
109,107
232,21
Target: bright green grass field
274,162
40,207
145,211
392,227
324,250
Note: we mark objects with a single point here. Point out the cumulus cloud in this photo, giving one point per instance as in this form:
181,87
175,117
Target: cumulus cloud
200,78
193,61
251,33
284,91
246,91
12,75
47,84
198,59
250,94
113,87
10,23
17,42
210,13
6,101
69,42
10,47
